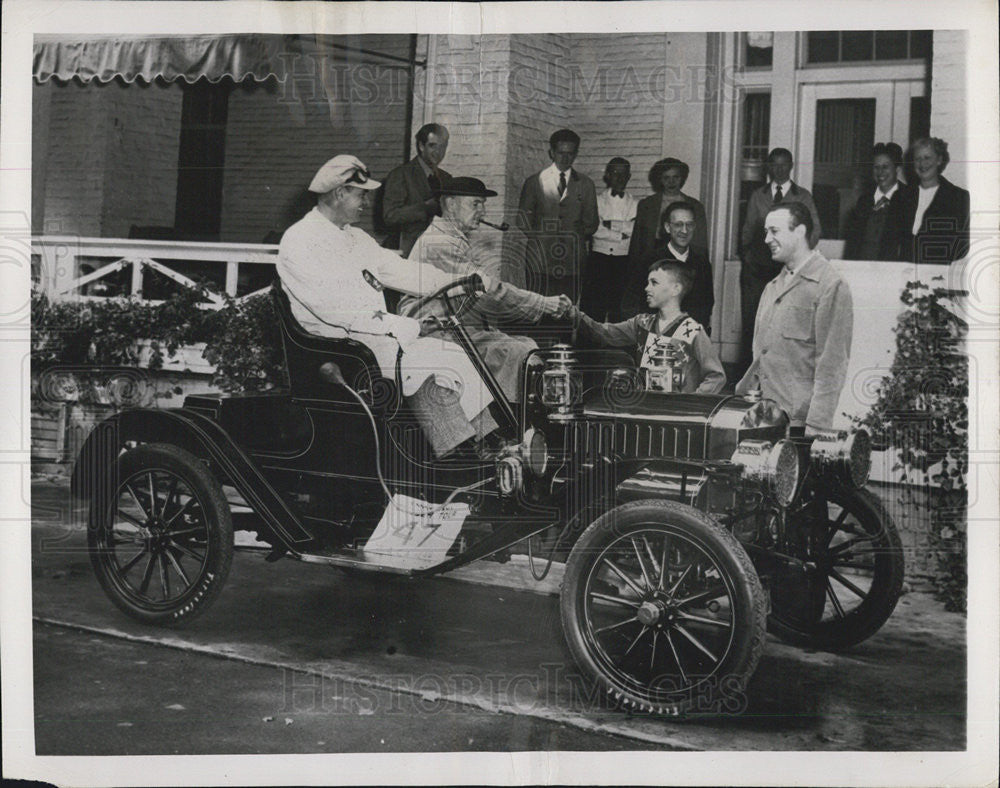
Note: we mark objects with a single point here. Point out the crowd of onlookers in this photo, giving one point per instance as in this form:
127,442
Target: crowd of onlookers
598,246
623,272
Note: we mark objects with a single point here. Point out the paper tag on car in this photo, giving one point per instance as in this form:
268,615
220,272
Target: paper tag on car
414,534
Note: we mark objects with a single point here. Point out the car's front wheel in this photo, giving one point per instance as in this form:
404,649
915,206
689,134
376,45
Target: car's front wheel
161,541
662,608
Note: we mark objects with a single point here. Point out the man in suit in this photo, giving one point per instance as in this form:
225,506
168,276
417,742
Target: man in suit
802,337
680,227
558,212
408,203
758,268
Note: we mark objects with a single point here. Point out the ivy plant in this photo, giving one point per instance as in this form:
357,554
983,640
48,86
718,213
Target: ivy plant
241,338
921,411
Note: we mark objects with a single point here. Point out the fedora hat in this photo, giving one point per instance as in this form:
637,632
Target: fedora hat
463,187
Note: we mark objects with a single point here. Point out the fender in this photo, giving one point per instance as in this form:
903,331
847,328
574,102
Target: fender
93,474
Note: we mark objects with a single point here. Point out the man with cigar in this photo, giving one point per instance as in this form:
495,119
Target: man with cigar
322,262
447,246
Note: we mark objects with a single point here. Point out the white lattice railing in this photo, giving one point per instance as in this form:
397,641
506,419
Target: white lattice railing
72,268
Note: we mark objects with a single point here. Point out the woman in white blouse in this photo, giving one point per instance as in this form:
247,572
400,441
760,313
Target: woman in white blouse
936,213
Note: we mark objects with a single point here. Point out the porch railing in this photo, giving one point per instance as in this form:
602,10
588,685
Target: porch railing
73,268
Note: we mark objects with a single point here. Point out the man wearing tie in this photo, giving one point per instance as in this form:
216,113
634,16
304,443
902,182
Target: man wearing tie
558,212
758,269
409,204
802,335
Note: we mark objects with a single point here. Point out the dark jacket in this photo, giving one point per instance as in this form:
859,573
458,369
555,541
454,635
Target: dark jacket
698,302
646,232
406,190
756,257
943,236
558,233
885,226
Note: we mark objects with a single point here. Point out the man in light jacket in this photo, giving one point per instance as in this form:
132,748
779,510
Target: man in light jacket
322,262
802,335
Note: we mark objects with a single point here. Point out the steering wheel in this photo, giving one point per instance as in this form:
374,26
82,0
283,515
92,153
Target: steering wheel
472,286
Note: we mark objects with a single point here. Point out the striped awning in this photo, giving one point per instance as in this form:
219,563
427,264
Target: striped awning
213,57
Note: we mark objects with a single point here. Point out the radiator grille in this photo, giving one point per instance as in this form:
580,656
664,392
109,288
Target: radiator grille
632,439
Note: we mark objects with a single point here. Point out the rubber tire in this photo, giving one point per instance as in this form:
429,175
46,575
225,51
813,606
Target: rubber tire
206,587
749,600
868,617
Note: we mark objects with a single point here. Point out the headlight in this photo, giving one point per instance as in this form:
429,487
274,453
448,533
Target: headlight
775,466
535,451
846,457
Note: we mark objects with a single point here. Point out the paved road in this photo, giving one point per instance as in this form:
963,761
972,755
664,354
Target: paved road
433,664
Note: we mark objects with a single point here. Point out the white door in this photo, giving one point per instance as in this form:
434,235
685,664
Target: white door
838,124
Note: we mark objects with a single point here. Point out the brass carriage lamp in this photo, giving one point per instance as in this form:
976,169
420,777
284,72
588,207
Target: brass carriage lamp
665,372
561,383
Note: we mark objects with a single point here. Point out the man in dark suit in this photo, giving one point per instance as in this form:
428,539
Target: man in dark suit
680,227
558,212
408,203
758,268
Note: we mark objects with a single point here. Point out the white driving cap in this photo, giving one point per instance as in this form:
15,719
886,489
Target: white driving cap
339,170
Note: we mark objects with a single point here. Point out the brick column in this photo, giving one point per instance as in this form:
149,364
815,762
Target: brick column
949,106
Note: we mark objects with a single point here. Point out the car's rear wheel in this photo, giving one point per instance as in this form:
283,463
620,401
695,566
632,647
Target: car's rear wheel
855,574
161,541
662,608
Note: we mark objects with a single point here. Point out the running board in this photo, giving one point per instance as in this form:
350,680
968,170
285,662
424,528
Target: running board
349,563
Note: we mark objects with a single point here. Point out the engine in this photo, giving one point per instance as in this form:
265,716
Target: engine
596,407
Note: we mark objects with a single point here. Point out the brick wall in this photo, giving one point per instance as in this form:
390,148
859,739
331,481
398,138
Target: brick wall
949,109
277,137
468,96
637,96
539,83
107,156
74,151
143,131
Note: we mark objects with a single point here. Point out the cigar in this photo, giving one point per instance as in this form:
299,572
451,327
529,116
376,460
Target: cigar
503,227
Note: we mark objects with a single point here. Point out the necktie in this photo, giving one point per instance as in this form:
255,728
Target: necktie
778,195
562,184
617,194
882,202
433,180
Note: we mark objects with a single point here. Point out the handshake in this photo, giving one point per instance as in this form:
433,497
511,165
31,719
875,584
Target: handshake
559,306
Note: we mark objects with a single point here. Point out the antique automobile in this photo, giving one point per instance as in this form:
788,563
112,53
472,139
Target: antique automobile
689,524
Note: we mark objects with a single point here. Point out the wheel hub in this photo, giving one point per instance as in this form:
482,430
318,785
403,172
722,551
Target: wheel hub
157,537
651,612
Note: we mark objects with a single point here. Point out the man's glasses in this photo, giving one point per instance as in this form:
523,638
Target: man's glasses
359,176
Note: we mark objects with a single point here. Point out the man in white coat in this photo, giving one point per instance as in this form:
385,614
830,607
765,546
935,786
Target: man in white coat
321,263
